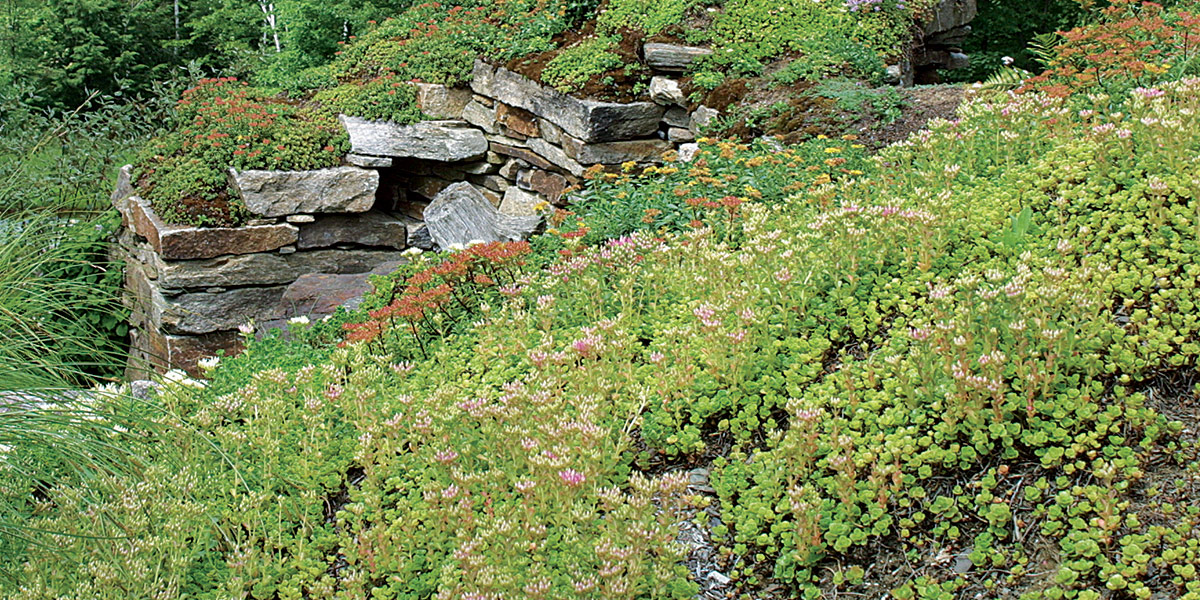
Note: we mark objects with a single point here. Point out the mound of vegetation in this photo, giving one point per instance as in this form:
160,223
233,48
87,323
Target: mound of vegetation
964,367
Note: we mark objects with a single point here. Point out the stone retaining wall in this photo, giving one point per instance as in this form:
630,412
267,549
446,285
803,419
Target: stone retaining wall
498,154
495,154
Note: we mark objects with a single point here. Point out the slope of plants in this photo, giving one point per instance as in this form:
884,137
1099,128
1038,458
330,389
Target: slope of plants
965,367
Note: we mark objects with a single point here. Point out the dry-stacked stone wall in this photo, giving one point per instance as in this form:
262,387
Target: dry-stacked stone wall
493,155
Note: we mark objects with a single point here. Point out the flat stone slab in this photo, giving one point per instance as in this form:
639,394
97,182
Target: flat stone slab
557,156
672,57
375,228
444,141
587,120
205,312
611,153
180,242
268,268
281,193
461,214
369,162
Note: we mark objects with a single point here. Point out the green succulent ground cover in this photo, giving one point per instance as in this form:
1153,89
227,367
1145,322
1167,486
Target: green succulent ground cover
980,342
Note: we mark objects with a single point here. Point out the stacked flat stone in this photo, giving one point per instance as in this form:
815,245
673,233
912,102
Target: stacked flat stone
495,157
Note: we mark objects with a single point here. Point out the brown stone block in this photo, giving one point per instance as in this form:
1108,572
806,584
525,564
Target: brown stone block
182,242
518,120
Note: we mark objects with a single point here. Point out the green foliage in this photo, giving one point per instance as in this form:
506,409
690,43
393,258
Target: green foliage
1006,29
678,197
833,53
572,68
885,104
438,43
647,16
384,98
61,320
747,34
223,123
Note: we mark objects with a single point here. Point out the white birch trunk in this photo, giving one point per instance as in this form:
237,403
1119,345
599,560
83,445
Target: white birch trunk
268,9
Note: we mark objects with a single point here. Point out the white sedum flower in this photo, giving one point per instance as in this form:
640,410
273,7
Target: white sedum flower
300,320
209,363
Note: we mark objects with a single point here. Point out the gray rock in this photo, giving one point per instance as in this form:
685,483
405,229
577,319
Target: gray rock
948,15
587,120
677,116
265,268
369,162
143,389
419,237
480,116
719,578
958,60
512,168
495,183
701,117
519,202
181,242
300,219
461,214
672,57
441,102
550,132
280,193
611,153
479,168
666,91
202,312
318,294
374,228
124,187
687,152
556,156
445,141
679,135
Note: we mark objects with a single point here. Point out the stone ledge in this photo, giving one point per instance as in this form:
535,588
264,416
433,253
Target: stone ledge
587,120
373,228
443,141
282,193
265,268
183,242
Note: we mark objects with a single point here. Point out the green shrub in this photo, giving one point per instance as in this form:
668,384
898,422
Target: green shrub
384,98
221,124
646,16
572,68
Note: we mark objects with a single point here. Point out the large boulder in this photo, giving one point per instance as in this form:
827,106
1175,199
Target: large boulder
444,141
461,214
281,193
